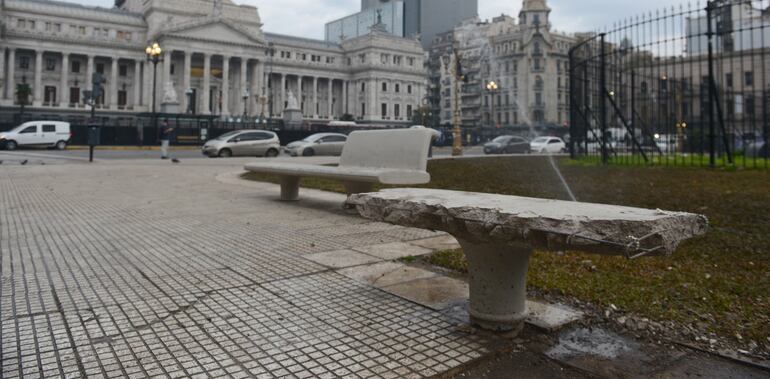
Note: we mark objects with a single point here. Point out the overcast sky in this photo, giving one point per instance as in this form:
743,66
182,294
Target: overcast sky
306,18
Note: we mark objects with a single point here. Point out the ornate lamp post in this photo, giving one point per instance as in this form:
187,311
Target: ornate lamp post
153,53
262,101
246,95
492,87
189,93
457,75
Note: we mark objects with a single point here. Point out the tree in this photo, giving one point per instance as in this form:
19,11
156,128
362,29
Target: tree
423,116
347,117
23,91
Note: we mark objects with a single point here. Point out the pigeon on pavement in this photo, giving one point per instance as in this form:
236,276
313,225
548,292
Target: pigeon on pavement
24,162
175,160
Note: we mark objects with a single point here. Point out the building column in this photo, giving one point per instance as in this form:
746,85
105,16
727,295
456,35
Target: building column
282,102
137,83
166,68
3,83
374,108
256,88
330,106
314,111
114,84
38,90
299,95
64,92
147,87
206,109
186,81
345,99
244,105
90,73
225,112
11,82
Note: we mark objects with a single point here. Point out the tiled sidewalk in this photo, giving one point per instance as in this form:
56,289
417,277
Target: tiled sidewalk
145,270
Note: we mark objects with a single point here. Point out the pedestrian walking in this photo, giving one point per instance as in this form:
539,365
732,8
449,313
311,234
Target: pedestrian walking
165,138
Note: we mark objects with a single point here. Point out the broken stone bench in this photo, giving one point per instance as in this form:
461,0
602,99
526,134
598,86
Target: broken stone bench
395,157
499,233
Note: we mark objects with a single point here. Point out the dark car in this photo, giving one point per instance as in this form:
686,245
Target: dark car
507,145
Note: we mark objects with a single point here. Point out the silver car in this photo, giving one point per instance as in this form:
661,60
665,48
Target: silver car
248,143
318,144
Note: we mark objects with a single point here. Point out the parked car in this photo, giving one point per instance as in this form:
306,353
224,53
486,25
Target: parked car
547,145
38,134
318,144
507,145
247,143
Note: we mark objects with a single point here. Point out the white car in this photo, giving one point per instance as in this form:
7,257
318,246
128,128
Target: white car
318,144
547,145
37,134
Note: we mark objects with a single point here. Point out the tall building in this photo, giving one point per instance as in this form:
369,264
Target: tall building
407,18
216,60
527,60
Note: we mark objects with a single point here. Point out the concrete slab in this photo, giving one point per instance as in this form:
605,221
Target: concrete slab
386,274
342,258
436,293
395,250
441,243
551,317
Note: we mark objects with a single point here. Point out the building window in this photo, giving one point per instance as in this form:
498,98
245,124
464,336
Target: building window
398,88
397,110
749,78
409,111
363,109
74,95
82,30
384,87
21,23
749,105
729,80
24,63
100,68
50,64
173,68
123,70
122,98
49,95
75,67
363,87
409,89
384,110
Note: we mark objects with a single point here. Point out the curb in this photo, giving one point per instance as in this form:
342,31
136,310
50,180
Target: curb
134,148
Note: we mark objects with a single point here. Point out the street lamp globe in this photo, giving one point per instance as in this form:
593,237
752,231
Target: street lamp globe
492,86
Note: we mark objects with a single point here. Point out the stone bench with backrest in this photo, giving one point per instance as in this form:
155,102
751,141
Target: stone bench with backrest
394,157
499,233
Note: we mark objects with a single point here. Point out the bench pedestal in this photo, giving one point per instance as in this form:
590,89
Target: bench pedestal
497,276
290,188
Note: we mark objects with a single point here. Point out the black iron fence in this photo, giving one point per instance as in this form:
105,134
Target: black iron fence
688,85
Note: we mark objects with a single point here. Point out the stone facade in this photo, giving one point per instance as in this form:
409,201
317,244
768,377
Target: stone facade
527,60
216,56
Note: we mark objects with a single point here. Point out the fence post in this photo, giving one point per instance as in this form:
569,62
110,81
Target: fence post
711,84
603,103
572,115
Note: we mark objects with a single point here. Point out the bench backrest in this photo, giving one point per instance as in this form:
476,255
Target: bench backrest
405,149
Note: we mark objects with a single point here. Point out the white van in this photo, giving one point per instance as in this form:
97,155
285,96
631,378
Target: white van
38,133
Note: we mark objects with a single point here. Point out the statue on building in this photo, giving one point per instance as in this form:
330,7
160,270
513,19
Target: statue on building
170,101
292,102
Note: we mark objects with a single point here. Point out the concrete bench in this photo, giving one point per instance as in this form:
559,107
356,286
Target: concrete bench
499,233
396,157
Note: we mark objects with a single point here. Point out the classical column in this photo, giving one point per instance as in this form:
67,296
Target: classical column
137,83
166,68
64,91
299,95
225,112
345,98
256,88
147,88
38,91
373,111
244,105
314,111
114,84
206,108
90,73
187,84
3,84
282,102
330,104
11,82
